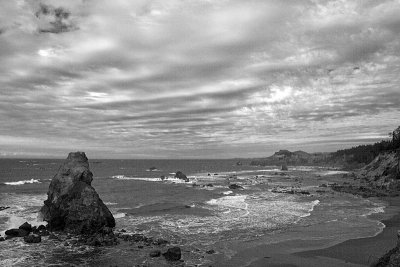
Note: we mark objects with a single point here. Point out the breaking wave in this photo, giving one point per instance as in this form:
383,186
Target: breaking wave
31,181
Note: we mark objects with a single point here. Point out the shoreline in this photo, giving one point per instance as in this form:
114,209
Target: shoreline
367,250
354,252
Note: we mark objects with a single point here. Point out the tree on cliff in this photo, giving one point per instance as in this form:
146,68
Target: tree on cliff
395,135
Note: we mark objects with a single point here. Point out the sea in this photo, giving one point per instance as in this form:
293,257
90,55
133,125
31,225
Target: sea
200,215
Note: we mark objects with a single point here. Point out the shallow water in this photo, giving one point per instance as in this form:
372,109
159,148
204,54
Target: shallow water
192,215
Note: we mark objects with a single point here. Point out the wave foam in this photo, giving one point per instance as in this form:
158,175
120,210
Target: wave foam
149,179
123,177
119,215
31,181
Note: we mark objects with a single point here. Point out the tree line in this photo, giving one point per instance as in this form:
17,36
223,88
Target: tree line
366,153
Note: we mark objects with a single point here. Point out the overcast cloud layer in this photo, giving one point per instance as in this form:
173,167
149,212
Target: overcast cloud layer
203,79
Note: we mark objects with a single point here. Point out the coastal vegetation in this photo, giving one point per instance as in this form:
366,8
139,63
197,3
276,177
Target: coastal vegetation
350,158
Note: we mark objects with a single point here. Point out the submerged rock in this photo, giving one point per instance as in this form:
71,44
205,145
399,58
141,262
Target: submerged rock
155,253
73,204
235,186
33,239
173,254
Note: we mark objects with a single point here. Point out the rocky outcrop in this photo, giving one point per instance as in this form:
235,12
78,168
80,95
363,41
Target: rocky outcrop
173,254
16,233
73,204
284,167
383,171
379,178
182,176
235,186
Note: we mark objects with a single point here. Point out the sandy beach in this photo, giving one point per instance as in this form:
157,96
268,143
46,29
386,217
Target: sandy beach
365,251
351,253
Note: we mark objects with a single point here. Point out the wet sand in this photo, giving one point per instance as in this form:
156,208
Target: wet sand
350,253
365,251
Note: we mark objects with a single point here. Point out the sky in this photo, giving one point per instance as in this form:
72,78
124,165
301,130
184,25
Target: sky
196,78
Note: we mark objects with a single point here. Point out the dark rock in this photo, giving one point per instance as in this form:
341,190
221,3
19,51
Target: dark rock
104,237
173,254
73,204
152,168
26,226
41,227
284,167
140,246
155,253
2,239
12,232
187,206
211,251
210,185
43,233
160,241
239,163
32,239
209,174
182,176
3,208
235,186
162,177
16,232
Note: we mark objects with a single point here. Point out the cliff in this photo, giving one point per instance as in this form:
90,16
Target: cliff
293,158
383,171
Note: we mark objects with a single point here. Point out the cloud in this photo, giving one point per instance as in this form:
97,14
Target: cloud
54,20
203,78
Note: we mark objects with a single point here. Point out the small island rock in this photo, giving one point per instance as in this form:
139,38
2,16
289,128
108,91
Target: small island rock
182,176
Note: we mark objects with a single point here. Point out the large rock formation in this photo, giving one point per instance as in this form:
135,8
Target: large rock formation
72,204
383,171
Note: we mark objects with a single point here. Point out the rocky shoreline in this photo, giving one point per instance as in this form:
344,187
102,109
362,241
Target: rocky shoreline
77,217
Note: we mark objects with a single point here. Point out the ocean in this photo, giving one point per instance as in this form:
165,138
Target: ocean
198,216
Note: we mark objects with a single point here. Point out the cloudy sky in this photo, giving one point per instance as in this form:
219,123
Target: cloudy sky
196,78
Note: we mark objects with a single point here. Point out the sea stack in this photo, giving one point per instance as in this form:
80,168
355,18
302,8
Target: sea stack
72,204
284,167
